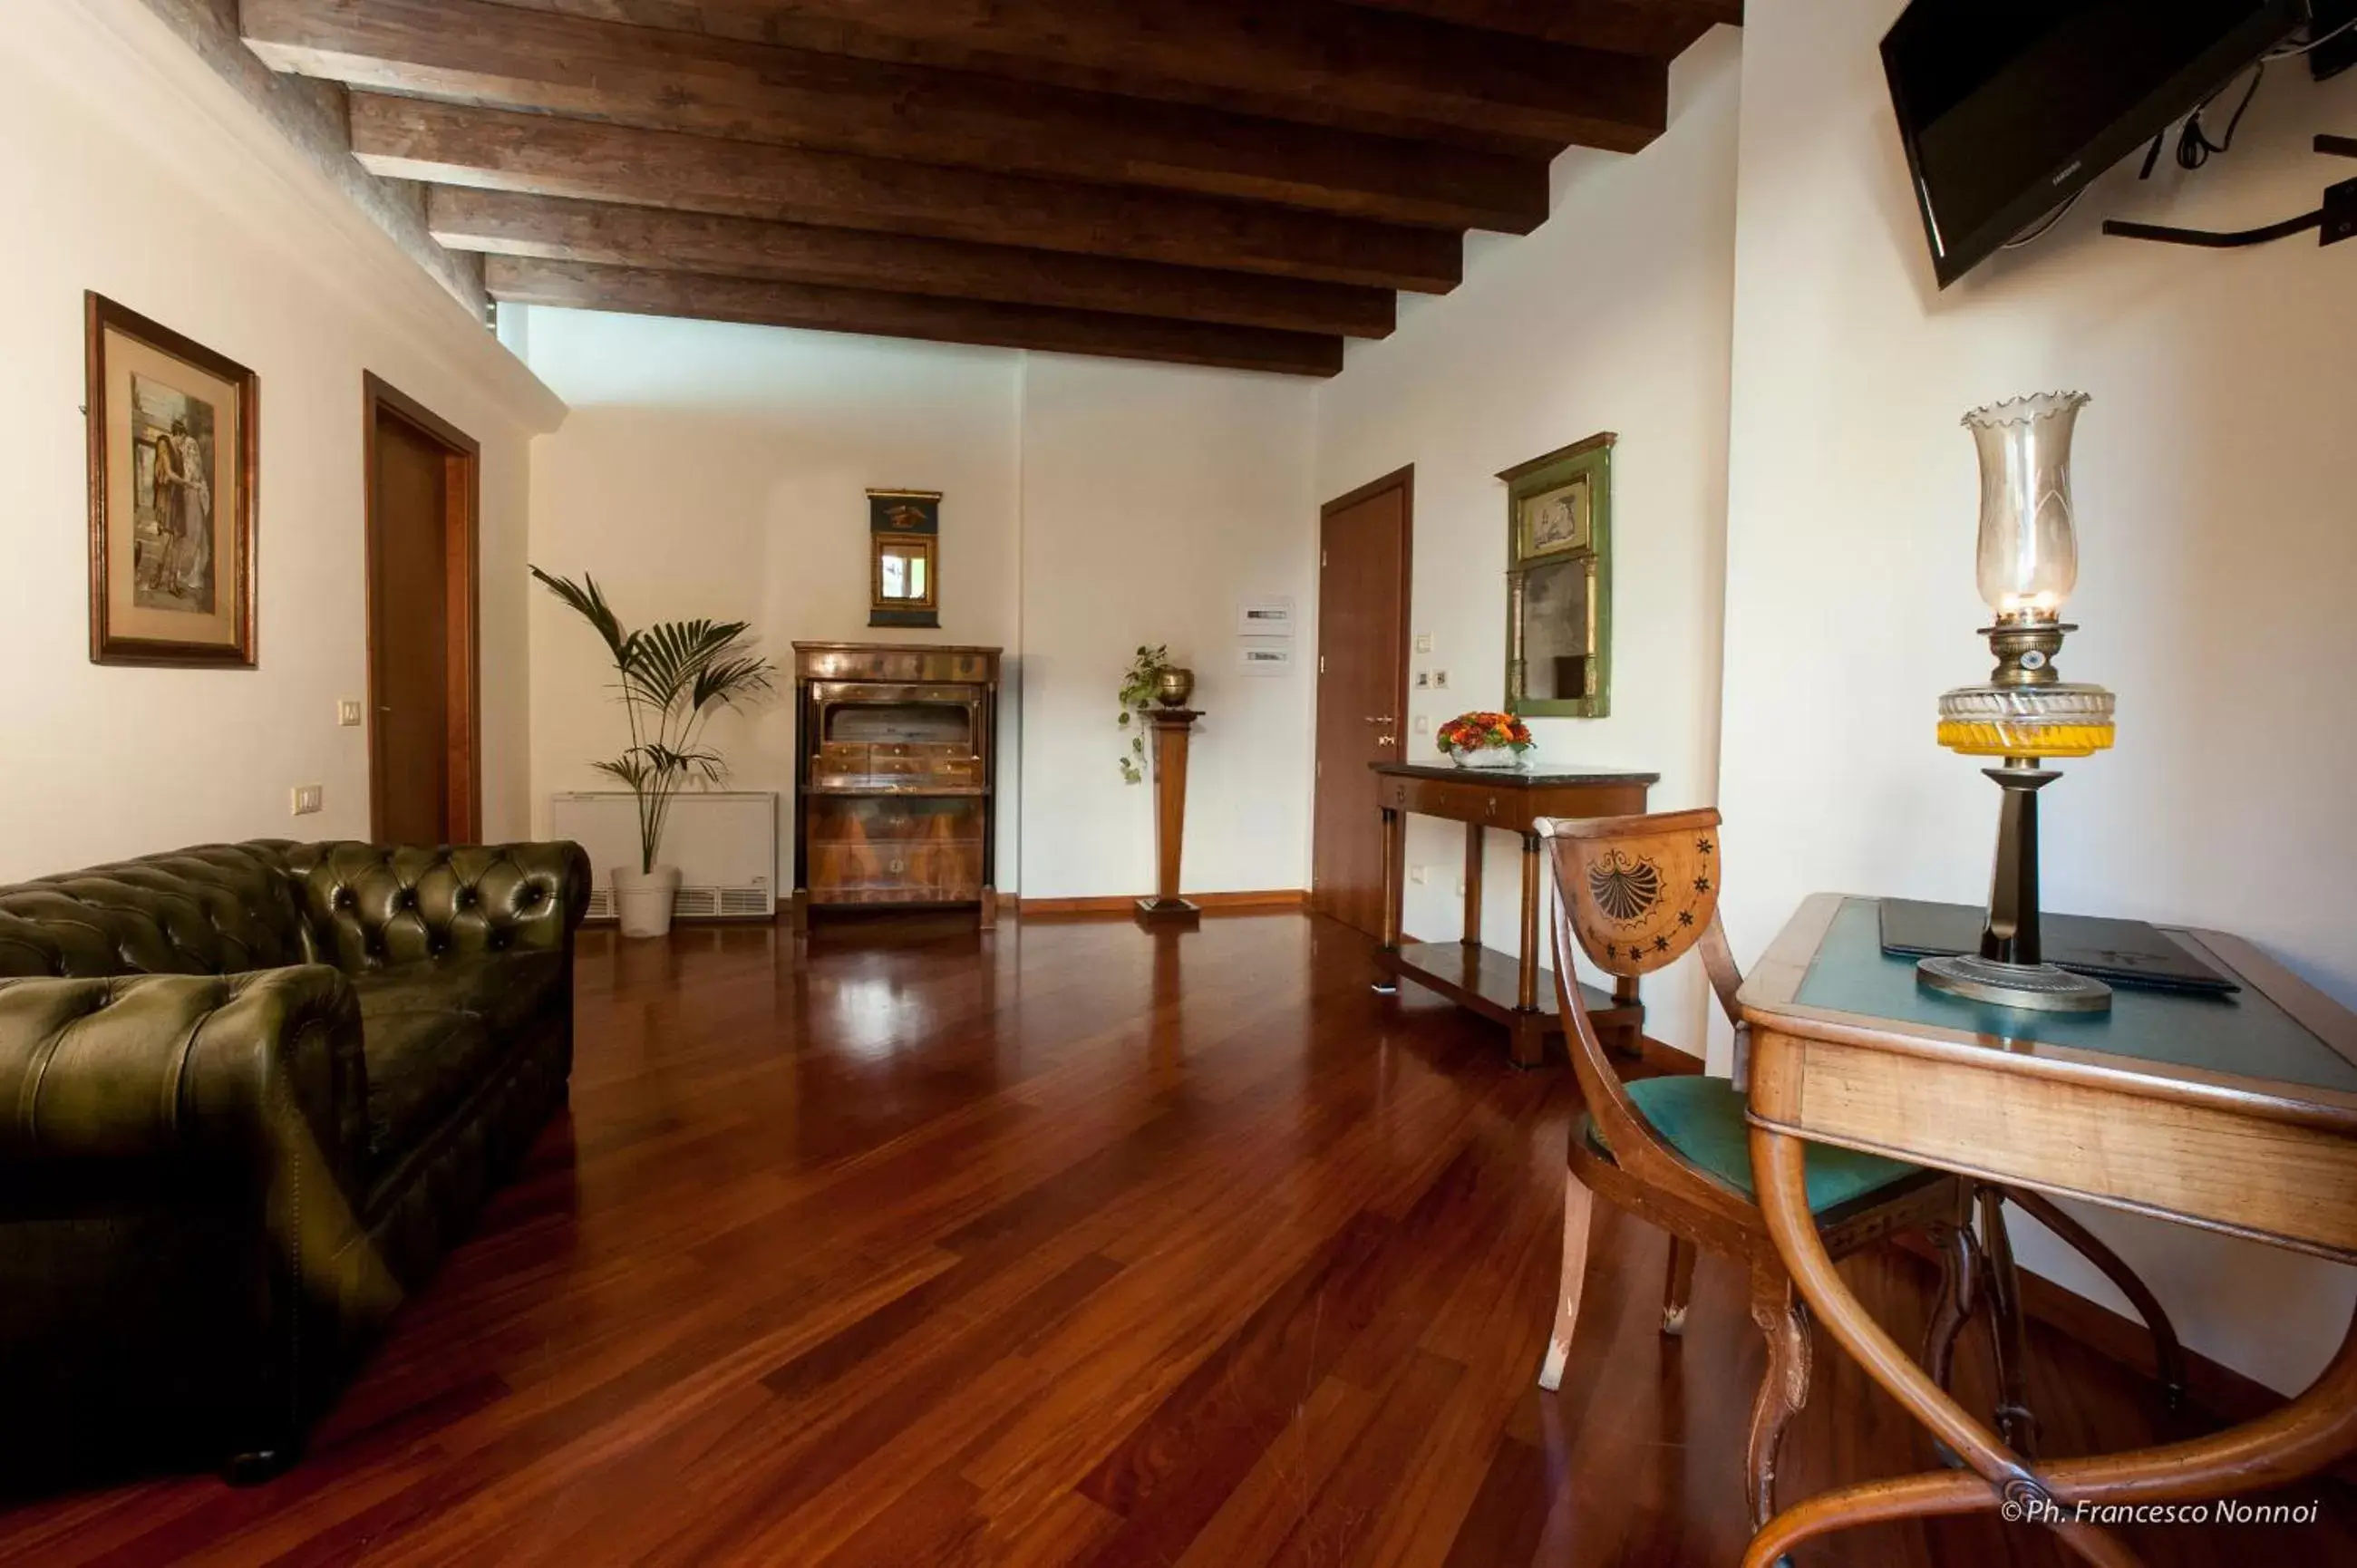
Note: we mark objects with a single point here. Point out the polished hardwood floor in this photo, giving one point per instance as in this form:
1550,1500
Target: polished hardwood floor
1070,1244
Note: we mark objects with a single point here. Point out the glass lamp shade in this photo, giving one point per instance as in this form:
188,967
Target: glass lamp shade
2028,557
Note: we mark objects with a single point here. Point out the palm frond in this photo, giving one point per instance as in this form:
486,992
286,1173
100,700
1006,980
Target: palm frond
728,676
627,769
588,601
671,654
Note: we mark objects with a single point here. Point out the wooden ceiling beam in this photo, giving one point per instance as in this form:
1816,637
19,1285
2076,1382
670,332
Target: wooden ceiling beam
1316,60
545,154
554,229
637,291
497,55
1658,29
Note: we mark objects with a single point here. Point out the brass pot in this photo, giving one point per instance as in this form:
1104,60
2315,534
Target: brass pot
1174,685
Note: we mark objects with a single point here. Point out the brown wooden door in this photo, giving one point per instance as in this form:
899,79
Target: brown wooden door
1364,551
421,740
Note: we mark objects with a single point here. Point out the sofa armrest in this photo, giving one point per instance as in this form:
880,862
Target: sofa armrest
371,905
232,1067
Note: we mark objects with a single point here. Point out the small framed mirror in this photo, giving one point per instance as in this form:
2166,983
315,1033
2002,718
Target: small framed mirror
1559,582
904,559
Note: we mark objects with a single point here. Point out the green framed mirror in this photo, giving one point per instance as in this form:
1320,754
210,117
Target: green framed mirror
1559,582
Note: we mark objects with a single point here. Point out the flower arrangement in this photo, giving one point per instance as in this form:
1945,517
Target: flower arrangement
1478,731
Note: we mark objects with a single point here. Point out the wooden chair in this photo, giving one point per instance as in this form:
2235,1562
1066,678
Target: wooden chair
1635,894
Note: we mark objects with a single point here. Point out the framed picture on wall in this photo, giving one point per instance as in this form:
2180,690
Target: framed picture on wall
173,447
1559,582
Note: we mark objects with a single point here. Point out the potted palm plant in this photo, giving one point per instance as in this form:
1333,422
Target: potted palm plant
673,676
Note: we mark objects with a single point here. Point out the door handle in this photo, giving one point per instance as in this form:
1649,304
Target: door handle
1379,718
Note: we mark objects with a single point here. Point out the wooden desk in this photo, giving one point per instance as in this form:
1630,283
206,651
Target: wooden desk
1516,993
2236,1114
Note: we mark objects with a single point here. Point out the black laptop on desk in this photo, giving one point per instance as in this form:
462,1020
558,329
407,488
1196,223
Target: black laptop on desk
2124,952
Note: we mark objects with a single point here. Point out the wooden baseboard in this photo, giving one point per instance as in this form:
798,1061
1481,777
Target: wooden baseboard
1126,904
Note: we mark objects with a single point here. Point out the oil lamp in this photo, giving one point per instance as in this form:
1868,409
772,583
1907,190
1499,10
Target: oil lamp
2025,712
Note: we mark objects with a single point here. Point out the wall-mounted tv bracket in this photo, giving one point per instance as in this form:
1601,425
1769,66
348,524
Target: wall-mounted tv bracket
2334,221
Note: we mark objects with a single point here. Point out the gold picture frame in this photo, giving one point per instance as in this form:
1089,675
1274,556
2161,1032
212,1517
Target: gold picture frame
1560,521
175,448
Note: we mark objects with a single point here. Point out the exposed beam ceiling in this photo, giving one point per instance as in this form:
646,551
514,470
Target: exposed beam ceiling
872,311
1657,29
554,229
1228,182
472,51
451,144
1302,59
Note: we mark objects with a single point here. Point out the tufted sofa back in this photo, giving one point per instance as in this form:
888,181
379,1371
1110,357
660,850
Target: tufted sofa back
219,909
228,908
369,905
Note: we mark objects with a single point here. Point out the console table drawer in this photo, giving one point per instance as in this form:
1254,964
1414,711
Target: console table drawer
1470,801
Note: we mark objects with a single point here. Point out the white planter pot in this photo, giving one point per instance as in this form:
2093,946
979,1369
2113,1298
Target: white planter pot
1488,757
642,900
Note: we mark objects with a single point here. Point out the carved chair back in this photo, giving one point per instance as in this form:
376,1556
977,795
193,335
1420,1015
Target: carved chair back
1636,894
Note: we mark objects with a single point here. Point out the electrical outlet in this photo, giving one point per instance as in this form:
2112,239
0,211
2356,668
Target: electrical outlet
347,712
1419,875
1440,679
309,798
1424,642
1422,725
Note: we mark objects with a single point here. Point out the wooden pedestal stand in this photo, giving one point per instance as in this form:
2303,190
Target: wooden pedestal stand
1171,728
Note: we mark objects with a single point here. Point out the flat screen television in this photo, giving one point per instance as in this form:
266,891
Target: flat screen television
2009,107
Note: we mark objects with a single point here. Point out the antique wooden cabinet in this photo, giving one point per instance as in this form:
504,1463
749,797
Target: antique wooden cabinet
895,794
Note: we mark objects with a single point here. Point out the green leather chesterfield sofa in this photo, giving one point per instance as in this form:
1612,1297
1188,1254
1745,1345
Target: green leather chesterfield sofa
250,1095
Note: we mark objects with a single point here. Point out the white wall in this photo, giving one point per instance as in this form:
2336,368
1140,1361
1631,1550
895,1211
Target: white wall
128,168
2217,561
714,469
1155,497
1614,316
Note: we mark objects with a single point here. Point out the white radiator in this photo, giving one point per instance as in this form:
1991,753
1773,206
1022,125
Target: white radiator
724,843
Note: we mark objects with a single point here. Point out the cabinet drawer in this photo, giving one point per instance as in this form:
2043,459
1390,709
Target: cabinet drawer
928,871
890,819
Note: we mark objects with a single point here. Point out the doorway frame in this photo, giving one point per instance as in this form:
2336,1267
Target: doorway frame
462,465
1402,479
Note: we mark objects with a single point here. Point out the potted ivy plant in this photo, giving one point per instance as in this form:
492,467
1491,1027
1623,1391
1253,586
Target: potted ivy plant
672,676
1140,684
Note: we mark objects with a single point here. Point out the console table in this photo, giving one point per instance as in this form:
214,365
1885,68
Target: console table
2234,1113
1517,992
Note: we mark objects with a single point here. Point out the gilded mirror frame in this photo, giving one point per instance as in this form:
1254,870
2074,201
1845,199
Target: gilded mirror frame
1533,542
905,524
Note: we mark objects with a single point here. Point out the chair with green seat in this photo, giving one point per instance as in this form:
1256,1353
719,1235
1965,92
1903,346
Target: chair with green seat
1635,894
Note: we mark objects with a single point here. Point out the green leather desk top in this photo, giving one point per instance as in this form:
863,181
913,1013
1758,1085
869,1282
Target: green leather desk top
2246,1033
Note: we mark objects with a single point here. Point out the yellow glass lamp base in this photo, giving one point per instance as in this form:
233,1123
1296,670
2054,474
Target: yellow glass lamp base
2056,720
1982,739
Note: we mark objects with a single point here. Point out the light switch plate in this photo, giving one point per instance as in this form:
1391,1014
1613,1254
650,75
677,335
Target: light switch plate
1424,678
1424,642
1440,679
1419,875
1423,725
347,712
309,798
